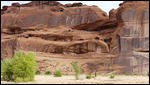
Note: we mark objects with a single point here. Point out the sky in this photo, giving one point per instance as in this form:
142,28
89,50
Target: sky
104,5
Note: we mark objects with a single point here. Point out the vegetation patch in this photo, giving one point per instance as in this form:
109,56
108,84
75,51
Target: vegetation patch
112,76
58,73
77,69
90,76
48,73
38,72
20,68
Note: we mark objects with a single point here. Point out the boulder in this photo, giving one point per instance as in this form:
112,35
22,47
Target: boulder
112,14
74,5
4,8
16,4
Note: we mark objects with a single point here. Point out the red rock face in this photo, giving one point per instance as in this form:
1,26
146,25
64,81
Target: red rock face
112,14
130,23
53,15
134,37
103,26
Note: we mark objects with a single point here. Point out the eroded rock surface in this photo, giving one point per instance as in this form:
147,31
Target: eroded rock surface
134,37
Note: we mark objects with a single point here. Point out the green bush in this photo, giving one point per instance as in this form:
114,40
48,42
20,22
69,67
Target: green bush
58,73
20,68
18,80
47,73
90,76
37,72
76,69
126,74
112,76
6,70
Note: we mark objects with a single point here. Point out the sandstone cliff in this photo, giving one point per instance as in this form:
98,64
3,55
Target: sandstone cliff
134,36
50,15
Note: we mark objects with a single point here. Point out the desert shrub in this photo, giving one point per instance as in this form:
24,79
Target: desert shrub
58,73
90,76
47,73
24,66
37,72
125,73
6,70
18,80
112,76
20,68
76,69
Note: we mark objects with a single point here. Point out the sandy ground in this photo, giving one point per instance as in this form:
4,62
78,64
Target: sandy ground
121,79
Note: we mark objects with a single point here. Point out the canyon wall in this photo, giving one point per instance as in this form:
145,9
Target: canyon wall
134,37
76,32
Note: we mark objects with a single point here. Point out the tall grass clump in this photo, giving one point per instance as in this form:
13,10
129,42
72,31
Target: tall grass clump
112,76
76,69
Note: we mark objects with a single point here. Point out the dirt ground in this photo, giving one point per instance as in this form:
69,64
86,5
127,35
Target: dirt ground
120,79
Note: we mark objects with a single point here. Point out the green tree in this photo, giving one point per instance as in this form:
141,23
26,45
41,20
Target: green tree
22,67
